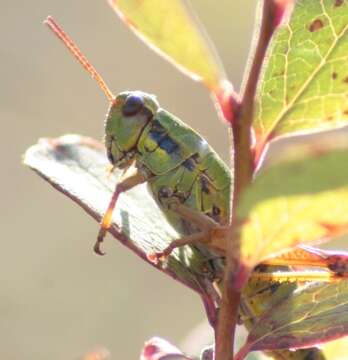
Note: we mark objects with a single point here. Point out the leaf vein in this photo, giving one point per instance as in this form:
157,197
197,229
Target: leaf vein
305,85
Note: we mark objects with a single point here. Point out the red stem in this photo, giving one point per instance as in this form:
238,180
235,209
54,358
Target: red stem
235,275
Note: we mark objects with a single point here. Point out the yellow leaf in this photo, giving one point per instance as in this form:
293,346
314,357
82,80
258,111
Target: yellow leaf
167,28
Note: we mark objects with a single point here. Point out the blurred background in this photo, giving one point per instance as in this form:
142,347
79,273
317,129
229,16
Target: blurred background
57,299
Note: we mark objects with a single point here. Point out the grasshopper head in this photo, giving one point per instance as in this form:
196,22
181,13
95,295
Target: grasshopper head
129,112
128,115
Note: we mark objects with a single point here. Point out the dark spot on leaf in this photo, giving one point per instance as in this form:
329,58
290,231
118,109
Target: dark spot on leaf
316,25
345,112
345,80
334,75
329,118
338,3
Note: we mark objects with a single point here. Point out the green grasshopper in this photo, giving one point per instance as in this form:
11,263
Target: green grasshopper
186,177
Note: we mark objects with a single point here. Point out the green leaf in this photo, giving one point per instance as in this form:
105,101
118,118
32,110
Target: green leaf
260,297
304,84
315,314
168,28
77,166
293,203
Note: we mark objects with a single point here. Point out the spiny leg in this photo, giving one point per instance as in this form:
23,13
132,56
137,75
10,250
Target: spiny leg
209,230
129,181
199,237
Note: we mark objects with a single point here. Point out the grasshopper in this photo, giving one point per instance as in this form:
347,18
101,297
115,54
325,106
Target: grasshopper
186,177
192,186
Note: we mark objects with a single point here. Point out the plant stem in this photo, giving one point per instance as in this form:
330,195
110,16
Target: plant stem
267,27
228,314
242,353
235,273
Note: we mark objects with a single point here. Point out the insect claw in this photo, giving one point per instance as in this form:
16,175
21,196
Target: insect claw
152,257
156,258
97,248
97,245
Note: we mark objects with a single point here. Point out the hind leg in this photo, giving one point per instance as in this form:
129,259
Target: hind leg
212,234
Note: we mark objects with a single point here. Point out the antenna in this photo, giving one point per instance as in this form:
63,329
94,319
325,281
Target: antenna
72,47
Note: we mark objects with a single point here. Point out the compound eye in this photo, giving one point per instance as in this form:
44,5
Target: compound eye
132,105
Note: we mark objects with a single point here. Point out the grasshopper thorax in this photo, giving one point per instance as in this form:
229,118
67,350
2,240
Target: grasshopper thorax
129,113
